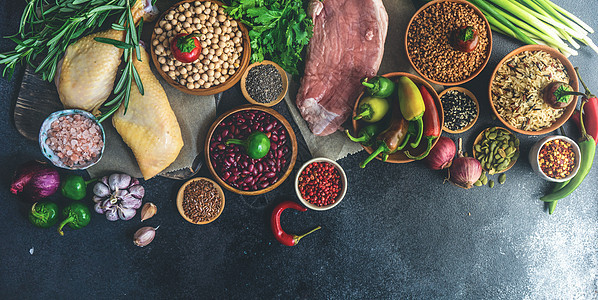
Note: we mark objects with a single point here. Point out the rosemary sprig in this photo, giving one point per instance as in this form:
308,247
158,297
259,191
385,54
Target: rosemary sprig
47,27
122,89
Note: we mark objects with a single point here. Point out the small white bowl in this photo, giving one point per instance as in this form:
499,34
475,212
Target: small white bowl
535,150
49,154
340,196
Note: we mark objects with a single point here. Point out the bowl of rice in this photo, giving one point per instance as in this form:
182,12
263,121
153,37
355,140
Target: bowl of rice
517,85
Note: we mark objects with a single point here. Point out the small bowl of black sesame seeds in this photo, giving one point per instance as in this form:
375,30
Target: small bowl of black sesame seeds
264,83
200,200
461,109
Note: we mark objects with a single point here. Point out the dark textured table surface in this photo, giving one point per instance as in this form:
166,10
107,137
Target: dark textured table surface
399,233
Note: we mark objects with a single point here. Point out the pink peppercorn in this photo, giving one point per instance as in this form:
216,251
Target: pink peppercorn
320,183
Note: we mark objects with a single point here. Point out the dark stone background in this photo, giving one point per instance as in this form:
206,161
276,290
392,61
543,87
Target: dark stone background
399,233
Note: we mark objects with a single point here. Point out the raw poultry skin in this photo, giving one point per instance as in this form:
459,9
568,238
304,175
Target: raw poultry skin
86,74
149,127
347,45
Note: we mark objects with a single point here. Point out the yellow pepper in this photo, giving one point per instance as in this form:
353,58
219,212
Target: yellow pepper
412,106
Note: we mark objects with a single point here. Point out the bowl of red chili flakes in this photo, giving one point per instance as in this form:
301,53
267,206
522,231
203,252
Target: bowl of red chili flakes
555,158
321,184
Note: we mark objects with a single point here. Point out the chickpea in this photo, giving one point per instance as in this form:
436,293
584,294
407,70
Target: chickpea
214,14
210,56
218,52
190,85
205,61
233,23
215,59
210,73
162,60
187,13
196,85
225,65
183,82
218,30
186,25
184,76
209,35
170,62
215,6
172,68
189,67
203,7
229,29
178,28
207,11
182,70
170,16
171,74
207,85
164,44
239,34
204,76
196,77
197,3
217,75
177,73
236,40
181,8
205,51
221,44
212,20
221,18
224,72
211,66
204,44
181,18
177,63
198,10
159,49
168,52
239,49
165,68
196,20
186,5
174,22
204,31
203,17
167,26
201,81
210,28
155,42
221,10
215,40
224,56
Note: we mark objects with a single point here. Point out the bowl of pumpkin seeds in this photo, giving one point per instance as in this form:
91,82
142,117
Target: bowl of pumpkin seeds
497,149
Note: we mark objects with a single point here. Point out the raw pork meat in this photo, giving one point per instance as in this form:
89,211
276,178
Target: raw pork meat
347,45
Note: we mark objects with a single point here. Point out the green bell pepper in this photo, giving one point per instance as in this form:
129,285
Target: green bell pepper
74,187
77,216
256,145
378,86
43,214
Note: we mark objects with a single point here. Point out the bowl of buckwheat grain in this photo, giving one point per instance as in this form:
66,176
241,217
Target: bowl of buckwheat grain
448,42
221,45
200,200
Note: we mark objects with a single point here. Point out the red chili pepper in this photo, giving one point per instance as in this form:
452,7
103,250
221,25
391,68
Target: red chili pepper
186,47
590,113
432,126
281,236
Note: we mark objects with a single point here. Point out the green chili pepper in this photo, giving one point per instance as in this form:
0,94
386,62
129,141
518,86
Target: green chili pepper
256,145
43,214
372,109
74,187
77,216
366,134
587,147
412,106
378,86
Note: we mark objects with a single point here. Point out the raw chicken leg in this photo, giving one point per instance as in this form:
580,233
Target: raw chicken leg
149,127
86,73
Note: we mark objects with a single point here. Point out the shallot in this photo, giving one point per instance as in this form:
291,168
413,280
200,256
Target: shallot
441,156
465,171
35,180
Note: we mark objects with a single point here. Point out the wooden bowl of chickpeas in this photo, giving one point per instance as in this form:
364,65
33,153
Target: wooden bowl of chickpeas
225,47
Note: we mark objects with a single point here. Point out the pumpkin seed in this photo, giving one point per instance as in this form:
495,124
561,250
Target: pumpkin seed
485,180
491,183
492,135
502,153
502,178
478,148
477,183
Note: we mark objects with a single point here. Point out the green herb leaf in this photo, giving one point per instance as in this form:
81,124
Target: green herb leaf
115,43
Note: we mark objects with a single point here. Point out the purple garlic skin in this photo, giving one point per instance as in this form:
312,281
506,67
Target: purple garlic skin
118,196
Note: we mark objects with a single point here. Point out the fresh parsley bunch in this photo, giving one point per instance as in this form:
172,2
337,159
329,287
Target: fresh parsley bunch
279,29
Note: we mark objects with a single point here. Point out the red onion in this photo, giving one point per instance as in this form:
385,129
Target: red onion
441,156
465,170
35,180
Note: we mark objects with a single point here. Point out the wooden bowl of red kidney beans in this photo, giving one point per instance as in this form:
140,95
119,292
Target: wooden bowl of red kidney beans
233,168
321,183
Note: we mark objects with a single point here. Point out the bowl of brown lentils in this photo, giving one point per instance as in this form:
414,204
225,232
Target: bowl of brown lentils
200,200
448,42
225,49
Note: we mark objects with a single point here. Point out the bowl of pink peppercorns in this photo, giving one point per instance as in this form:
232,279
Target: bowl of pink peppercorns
321,184
72,139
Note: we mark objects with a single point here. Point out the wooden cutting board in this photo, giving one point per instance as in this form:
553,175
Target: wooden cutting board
38,99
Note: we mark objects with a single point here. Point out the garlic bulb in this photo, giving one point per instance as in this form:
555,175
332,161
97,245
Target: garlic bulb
118,196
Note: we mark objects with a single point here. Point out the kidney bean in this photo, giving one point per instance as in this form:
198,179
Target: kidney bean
264,184
226,175
269,127
240,121
248,179
232,178
273,180
279,153
270,175
235,172
250,168
254,172
245,172
260,167
274,138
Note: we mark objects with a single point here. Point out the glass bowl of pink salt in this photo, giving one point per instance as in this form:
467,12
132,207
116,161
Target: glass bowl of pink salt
72,139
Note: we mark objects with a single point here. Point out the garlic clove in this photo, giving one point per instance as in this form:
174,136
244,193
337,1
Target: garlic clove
149,210
126,213
99,208
111,213
101,190
104,180
119,181
137,191
129,201
144,236
97,199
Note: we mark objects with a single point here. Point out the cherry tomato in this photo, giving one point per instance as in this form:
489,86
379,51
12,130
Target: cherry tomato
465,39
186,47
